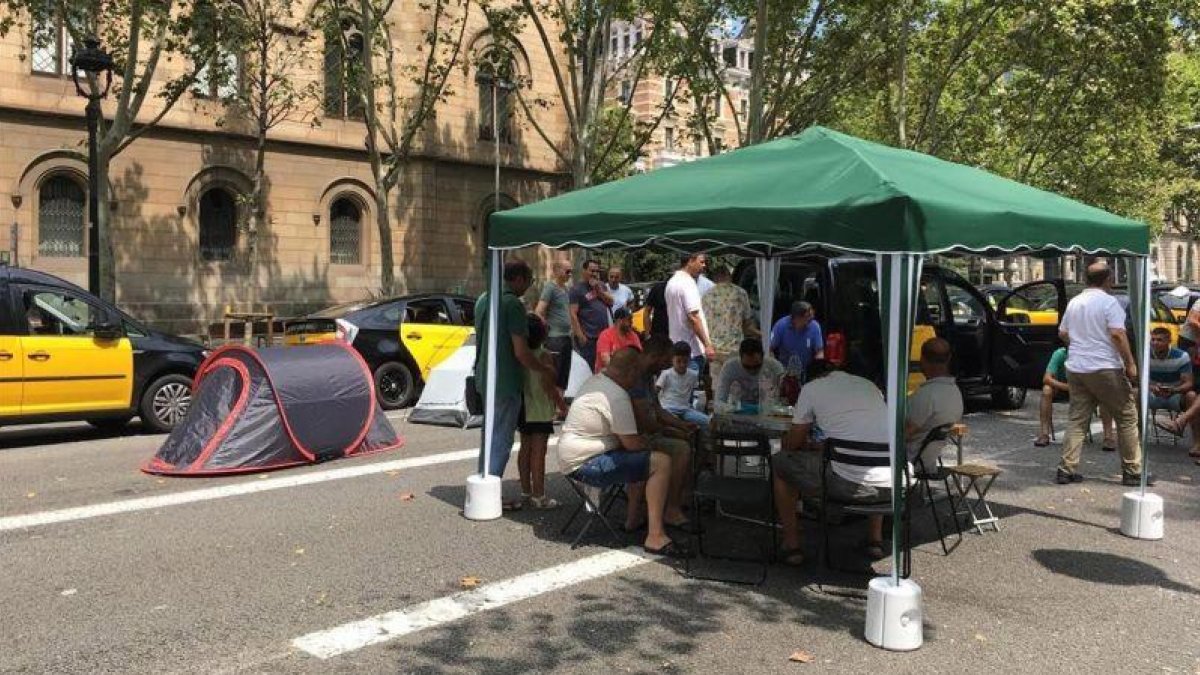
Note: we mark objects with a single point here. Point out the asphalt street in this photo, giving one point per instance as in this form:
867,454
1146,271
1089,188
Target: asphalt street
228,574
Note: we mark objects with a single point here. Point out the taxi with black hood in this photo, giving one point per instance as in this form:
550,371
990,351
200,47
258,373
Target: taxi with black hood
67,355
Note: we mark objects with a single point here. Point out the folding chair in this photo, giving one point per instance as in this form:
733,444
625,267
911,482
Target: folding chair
925,476
595,503
858,453
977,478
736,490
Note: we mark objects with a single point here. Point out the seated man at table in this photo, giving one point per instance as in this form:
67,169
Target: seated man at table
936,403
600,445
663,431
744,373
846,407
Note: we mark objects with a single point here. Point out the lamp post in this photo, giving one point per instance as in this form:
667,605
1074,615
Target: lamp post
95,62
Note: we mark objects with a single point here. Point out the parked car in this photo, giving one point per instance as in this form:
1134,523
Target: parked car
67,355
1178,303
1037,303
997,353
402,339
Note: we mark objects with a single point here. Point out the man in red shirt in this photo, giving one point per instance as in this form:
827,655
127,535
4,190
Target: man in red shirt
616,337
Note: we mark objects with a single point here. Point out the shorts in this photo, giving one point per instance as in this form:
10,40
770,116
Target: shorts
1174,403
668,445
613,467
802,470
526,427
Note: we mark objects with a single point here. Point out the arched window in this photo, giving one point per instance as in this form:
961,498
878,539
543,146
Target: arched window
61,203
495,80
344,53
345,232
218,224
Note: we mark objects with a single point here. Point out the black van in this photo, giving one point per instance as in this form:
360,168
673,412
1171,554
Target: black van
995,354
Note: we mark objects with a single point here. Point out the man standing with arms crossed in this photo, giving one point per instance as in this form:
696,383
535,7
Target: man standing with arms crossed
685,314
590,310
1100,371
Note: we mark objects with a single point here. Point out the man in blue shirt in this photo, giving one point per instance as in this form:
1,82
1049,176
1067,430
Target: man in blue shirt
798,335
1171,386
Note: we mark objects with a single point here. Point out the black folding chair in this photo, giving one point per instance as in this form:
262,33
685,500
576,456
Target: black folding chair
926,475
741,492
858,453
595,503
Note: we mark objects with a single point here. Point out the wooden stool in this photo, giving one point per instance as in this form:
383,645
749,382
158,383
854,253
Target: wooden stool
977,477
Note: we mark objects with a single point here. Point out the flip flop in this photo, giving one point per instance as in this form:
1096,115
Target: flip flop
1041,442
1169,427
1194,454
791,556
671,549
512,506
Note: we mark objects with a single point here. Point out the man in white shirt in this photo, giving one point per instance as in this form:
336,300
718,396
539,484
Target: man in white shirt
846,407
621,294
1100,371
600,446
936,403
685,313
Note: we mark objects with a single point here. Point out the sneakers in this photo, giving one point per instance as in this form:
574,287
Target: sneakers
1135,479
1067,477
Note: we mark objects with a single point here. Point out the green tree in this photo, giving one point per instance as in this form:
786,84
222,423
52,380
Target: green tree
141,35
395,99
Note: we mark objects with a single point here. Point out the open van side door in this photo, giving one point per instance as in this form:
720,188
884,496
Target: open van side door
1025,332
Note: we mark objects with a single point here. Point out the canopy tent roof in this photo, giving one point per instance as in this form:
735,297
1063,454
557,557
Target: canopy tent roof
819,190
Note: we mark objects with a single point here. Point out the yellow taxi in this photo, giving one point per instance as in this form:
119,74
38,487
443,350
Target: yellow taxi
402,339
68,355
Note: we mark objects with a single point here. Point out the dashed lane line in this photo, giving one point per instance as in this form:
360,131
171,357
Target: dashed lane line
353,636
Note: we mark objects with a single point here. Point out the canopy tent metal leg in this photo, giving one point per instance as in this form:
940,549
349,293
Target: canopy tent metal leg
894,616
1141,511
483,491
767,273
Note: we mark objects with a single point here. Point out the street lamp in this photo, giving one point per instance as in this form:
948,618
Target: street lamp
93,61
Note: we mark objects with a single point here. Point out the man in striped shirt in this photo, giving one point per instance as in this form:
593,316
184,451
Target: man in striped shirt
1171,386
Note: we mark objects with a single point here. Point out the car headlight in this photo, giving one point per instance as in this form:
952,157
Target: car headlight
346,331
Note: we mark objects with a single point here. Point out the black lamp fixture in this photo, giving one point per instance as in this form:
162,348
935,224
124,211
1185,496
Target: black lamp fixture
93,61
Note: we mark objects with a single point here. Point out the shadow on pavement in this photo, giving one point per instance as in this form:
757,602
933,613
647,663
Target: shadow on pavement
1107,568
51,434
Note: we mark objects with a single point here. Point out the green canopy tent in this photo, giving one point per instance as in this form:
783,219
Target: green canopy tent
826,191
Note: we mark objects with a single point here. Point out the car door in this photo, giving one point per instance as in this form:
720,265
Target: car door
430,333
67,368
966,326
1024,337
12,360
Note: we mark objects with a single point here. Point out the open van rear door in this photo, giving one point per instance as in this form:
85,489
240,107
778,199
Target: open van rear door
1025,333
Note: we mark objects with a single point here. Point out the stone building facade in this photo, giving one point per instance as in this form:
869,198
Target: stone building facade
177,193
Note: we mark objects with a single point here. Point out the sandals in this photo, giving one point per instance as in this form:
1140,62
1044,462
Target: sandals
875,550
671,549
1041,442
543,503
1170,426
792,557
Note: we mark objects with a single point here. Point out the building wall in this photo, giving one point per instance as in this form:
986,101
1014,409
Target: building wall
438,209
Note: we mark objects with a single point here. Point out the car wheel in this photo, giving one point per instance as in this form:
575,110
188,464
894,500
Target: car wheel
395,386
166,402
1009,398
111,424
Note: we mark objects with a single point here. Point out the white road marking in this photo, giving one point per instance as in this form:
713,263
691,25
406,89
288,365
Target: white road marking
391,625
222,491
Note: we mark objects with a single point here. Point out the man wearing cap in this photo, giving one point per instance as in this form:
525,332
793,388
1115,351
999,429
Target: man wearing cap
616,337
798,336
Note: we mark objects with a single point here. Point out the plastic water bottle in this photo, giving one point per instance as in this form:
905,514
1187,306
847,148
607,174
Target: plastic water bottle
734,397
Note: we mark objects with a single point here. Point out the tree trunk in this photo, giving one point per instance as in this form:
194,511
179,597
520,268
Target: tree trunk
387,272
258,212
108,269
754,125
902,80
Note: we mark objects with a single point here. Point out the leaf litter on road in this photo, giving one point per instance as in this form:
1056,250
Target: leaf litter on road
802,656
407,496
470,582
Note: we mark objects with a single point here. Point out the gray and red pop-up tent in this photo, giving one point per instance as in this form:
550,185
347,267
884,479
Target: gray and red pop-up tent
273,408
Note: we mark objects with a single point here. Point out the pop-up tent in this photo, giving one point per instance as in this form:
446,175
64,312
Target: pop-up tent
272,408
826,191
443,401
